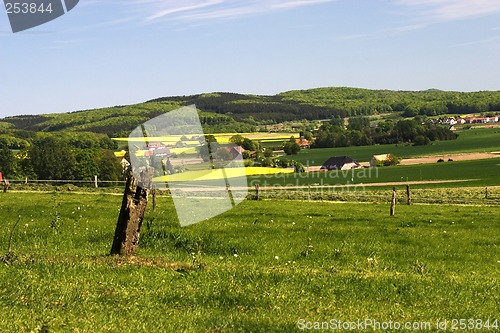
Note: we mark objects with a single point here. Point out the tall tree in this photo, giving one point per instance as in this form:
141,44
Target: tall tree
8,163
52,159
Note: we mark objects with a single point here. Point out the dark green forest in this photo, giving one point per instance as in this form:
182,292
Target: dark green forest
230,112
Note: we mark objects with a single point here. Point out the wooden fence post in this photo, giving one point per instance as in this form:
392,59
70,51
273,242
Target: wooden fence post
408,194
486,194
6,185
257,192
135,200
309,192
393,202
95,181
154,197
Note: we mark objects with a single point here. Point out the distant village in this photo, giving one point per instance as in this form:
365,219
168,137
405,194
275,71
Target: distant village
467,120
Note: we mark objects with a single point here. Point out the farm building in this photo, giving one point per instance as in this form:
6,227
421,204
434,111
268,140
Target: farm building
161,152
303,143
235,151
153,145
340,163
379,159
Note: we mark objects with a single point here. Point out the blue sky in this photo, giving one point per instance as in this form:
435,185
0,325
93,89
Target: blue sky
110,52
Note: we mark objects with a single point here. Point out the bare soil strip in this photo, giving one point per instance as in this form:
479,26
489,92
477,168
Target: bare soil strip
446,157
431,159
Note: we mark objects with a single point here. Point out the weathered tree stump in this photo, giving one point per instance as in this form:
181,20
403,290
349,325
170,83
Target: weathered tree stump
393,202
154,197
135,200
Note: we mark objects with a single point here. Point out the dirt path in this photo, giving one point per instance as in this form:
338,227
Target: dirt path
432,159
446,157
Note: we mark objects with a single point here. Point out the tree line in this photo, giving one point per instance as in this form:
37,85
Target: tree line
62,157
415,131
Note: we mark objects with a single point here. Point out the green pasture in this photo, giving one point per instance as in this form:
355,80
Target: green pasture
261,267
475,140
471,173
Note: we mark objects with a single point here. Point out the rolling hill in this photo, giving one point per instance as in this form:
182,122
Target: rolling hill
231,112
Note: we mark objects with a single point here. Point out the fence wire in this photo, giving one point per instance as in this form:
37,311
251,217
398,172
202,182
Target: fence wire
456,196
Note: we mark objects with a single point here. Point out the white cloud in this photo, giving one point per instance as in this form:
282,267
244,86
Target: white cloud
449,10
298,3
213,9
489,40
174,9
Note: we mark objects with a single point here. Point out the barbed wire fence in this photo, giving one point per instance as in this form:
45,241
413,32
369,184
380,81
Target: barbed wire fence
461,196
457,196
33,183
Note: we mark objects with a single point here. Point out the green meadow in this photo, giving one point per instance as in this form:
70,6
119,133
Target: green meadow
266,266
467,173
476,140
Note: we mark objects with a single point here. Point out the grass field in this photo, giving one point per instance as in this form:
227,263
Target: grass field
261,267
476,172
476,140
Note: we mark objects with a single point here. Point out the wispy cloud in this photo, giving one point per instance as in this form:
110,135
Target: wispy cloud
215,9
450,10
489,40
174,9
298,3
420,14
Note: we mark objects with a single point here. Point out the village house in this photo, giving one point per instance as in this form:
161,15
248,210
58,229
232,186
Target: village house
340,163
153,145
235,151
303,143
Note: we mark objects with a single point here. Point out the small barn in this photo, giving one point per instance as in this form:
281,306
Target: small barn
379,159
340,163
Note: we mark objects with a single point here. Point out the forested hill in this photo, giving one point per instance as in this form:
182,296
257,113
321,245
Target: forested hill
324,103
239,113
